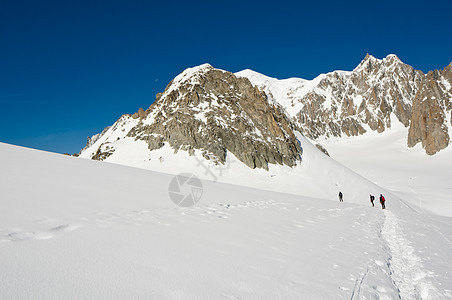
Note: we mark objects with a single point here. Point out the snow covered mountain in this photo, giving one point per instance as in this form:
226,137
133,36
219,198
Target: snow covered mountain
218,126
212,112
352,103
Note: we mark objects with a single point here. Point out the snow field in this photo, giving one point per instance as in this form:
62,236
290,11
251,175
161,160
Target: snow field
409,173
76,228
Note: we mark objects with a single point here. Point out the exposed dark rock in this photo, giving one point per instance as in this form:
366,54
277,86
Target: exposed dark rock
347,103
214,112
321,148
428,122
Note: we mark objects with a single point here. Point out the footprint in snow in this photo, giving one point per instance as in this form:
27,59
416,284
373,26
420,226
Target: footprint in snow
66,227
29,235
379,263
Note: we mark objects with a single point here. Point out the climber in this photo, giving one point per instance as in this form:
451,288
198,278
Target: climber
382,201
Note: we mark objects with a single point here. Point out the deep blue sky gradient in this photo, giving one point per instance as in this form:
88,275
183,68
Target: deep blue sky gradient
70,68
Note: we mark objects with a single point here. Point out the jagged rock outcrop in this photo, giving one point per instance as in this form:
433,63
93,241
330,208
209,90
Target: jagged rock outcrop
432,103
213,111
139,114
351,103
92,140
321,148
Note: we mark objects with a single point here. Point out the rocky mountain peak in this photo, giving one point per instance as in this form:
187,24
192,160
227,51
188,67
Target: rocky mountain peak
367,64
448,68
189,75
371,97
372,65
447,74
391,59
215,112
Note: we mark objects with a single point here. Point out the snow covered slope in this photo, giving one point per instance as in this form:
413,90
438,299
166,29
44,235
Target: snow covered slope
422,180
316,176
84,229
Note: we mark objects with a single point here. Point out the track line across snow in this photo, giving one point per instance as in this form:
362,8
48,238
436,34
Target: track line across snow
406,267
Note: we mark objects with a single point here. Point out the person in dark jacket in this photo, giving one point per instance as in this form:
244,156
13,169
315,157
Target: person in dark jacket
372,198
341,197
382,201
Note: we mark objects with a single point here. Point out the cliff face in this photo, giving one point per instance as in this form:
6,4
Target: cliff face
213,111
351,103
432,112
253,116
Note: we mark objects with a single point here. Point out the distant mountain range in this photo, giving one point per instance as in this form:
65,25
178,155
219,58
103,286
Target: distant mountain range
256,118
343,103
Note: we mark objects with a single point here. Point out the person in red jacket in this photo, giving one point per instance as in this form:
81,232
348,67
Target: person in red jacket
382,201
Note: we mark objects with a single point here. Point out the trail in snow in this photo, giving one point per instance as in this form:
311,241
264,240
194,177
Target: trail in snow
113,232
407,272
419,179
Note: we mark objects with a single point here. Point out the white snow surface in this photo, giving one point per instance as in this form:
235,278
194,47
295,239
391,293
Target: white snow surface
411,174
189,74
287,92
116,132
83,229
307,178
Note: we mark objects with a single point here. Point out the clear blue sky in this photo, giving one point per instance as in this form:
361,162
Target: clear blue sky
70,68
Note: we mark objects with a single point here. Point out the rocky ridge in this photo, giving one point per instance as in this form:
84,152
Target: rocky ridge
212,111
344,103
432,112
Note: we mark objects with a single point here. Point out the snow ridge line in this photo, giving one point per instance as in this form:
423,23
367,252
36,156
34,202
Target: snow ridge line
406,268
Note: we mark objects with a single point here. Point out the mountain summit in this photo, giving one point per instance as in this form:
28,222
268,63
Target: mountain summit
256,117
369,98
212,111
